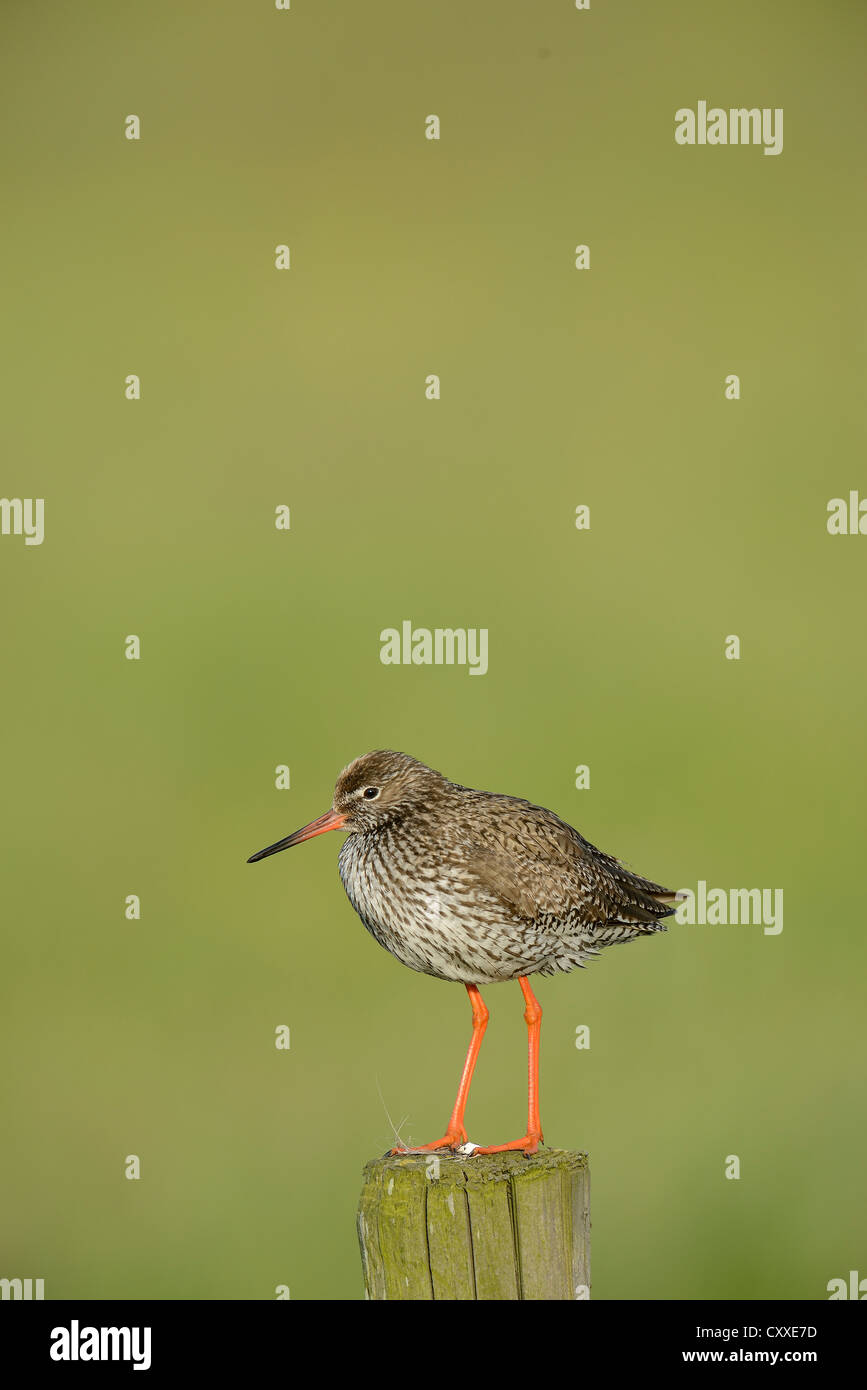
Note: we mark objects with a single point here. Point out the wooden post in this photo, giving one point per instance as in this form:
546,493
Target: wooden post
497,1226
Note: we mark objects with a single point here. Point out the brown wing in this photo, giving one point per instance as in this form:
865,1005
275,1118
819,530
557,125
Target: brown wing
543,872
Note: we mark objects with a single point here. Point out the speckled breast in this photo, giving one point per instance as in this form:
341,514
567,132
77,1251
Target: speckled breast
417,903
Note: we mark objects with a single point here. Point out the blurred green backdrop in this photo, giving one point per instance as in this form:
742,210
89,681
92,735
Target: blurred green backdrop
261,647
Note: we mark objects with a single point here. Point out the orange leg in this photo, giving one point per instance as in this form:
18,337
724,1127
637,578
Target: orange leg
456,1135
533,1015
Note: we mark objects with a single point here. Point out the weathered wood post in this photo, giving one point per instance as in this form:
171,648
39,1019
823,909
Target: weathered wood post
498,1226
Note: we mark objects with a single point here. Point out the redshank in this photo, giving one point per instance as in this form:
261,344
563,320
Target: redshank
477,888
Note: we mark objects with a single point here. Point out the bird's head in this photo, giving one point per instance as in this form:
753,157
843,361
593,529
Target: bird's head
371,793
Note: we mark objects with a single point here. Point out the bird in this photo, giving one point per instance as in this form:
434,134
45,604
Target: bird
477,888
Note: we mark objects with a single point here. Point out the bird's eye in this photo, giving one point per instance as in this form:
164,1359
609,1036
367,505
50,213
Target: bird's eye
371,792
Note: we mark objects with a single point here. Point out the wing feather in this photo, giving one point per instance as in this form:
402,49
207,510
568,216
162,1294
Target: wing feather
543,872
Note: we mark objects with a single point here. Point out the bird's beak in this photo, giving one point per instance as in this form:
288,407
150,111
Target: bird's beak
332,820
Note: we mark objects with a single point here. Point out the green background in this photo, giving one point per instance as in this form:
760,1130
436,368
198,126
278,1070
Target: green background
261,647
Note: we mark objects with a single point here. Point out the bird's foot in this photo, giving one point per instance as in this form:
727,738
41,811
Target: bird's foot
452,1139
528,1145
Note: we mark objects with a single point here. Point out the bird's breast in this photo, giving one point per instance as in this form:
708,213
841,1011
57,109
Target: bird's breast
395,887
420,904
